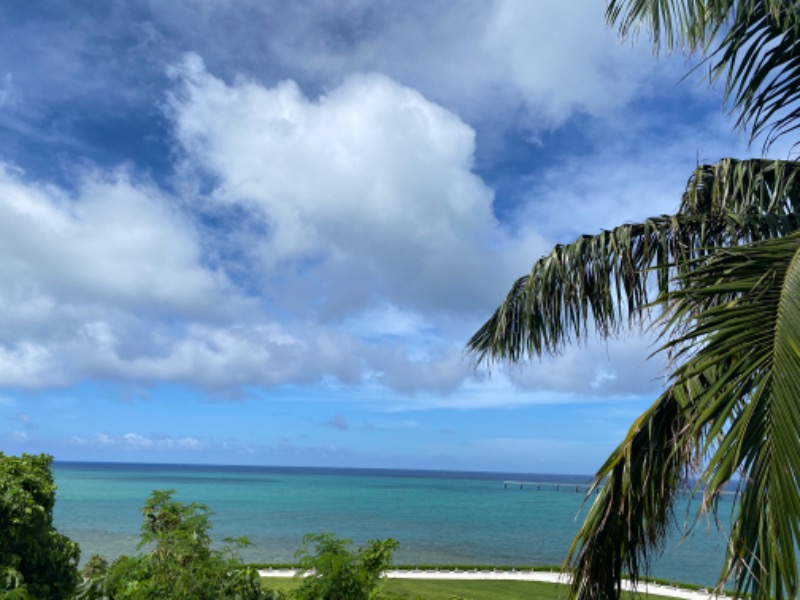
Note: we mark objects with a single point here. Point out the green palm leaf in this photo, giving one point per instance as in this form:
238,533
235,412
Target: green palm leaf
639,484
739,317
752,44
734,402
608,279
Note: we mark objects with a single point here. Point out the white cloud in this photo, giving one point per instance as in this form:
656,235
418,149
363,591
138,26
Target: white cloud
116,242
26,364
386,321
354,220
240,356
215,358
137,441
372,216
617,367
395,367
369,186
95,279
189,442
488,61
371,242
560,58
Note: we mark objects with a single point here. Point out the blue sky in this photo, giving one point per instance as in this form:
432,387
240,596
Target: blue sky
250,232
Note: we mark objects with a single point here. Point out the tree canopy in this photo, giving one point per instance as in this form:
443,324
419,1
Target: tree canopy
179,561
35,560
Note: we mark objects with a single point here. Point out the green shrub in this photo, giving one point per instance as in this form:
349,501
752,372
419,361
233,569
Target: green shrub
332,571
35,560
180,563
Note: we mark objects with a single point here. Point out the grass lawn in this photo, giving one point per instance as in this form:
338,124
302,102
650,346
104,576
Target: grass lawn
474,590
427,589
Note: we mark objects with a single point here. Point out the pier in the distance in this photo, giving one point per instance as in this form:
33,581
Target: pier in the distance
549,485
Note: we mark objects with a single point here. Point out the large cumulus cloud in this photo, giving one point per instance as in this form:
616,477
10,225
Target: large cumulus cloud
368,186
363,248
332,232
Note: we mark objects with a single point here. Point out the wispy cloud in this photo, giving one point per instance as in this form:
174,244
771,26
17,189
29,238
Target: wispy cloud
137,441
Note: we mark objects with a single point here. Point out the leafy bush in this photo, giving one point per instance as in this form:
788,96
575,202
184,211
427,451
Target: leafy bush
35,560
180,564
332,571
94,567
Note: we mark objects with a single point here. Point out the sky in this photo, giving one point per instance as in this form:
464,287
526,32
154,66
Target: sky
256,232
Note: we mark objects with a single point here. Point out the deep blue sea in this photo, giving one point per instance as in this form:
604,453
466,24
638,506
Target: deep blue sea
438,517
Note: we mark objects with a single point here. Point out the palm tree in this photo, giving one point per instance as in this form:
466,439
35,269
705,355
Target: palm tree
722,278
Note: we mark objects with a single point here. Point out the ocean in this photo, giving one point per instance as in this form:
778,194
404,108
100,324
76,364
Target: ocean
439,517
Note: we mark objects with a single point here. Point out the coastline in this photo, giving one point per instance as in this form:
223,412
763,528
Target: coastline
522,575
443,520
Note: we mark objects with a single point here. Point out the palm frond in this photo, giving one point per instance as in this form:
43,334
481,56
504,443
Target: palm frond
607,279
759,58
688,24
743,186
641,480
733,400
738,316
753,45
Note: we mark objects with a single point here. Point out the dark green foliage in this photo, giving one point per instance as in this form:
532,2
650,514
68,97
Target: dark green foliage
35,560
181,563
332,571
94,567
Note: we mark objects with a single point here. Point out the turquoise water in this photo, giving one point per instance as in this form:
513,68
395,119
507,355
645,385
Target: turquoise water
438,517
